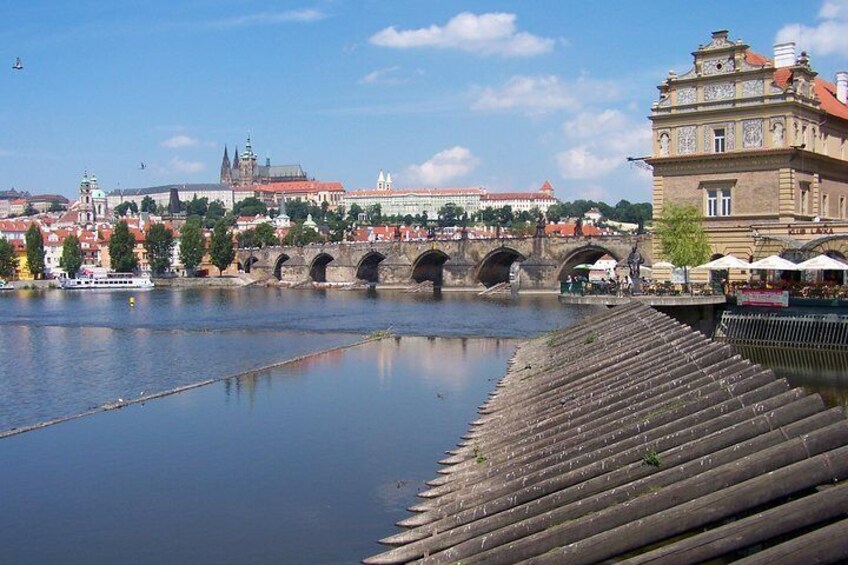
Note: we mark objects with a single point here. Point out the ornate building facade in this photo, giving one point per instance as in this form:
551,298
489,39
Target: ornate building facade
245,169
92,206
759,145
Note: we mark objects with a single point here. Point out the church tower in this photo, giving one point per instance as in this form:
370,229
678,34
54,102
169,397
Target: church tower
247,165
86,205
226,176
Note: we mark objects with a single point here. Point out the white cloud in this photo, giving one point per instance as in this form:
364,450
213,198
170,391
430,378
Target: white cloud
387,76
829,37
542,94
181,141
484,34
445,166
607,138
270,18
177,165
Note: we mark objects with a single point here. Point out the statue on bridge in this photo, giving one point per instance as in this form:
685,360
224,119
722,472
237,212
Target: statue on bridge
634,261
540,226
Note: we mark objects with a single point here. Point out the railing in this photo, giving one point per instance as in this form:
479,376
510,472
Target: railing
808,331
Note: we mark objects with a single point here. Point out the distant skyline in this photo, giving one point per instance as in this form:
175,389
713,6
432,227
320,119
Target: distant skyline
500,94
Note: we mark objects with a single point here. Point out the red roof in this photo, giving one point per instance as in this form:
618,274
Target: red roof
825,91
567,230
295,187
423,191
518,196
546,187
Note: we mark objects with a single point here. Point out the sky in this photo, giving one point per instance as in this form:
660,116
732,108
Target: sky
498,94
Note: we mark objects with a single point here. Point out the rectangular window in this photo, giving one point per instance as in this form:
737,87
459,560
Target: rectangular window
725,202
841,206
712,203
825,206
718,140
804,200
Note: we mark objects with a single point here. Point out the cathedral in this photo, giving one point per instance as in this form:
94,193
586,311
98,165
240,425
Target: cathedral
245,169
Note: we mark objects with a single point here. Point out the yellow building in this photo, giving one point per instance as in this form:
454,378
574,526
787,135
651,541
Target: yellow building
760,146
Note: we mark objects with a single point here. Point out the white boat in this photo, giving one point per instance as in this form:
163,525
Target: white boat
5,286
100,279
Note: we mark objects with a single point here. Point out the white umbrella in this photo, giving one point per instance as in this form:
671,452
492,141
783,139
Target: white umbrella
822,263
583,266
774,263
723,263
663,265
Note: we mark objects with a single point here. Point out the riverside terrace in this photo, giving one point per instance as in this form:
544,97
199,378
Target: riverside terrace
630,437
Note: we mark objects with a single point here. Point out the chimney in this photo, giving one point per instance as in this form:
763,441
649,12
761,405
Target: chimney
784,55
842,86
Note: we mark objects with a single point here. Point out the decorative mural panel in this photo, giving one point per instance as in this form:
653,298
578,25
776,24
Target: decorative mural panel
752,133
778,132
719,91
686,139
752,88
664,142
686,95
665,101
717,66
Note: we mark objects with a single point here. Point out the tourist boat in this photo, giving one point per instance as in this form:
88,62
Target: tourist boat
5,286
101,279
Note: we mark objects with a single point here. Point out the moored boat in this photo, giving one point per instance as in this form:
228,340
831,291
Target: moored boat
5,286
101,279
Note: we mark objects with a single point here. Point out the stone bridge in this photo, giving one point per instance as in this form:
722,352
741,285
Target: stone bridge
542,262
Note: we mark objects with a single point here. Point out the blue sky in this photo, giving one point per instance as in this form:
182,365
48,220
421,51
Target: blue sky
499,94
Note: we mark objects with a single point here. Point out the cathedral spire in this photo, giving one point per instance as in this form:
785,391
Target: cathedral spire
226,172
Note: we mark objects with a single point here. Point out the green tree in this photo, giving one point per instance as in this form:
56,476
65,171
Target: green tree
298,235
449,214
148,204
682,237
8,262
375,214
246,239
122,249
297,209
265,235
354,212
124,208
192,244
35,250
197,206
159,244
221,248
71,259
56,206
251,206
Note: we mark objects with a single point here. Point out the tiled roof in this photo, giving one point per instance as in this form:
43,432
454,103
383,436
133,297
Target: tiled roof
824,90
294,187
518,196
167,188
474,190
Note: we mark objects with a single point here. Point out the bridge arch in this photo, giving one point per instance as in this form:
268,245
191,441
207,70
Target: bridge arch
318,267
278,266
429,266
249,262
494,268
586,254
367,269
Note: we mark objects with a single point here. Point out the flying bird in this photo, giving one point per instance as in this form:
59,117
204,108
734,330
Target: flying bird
142,166
18,65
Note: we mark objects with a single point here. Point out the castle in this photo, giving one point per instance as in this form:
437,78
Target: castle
246,171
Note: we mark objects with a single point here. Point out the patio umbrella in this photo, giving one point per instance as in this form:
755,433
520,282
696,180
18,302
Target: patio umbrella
773,263
586,266
822,263
663,265
723,263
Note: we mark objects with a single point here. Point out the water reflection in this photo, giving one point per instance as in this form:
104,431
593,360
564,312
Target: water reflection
301,464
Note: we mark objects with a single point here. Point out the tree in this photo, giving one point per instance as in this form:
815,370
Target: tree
30,210
246,239
449,214
56,206
71,259
192,244
251,206
408,219
148,204
197,206
159,244
298,235
354,212
35,250
122,249
297,209
375,214
682,238
265,235
8,263
221,248
125,207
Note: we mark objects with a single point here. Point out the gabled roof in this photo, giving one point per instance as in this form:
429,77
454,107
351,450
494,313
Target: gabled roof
473,190
518,196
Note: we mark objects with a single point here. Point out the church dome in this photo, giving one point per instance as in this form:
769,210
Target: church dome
97,193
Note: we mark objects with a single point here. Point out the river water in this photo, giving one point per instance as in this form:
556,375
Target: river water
309,462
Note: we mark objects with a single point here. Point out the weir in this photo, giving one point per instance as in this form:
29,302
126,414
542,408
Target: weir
631,437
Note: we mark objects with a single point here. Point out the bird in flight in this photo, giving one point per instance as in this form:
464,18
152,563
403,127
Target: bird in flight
18,65
142,166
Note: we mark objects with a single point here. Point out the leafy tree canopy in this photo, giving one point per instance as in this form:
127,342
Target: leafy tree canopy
35,250
159,244
298,235
121,249
71,259
192,244
681,234
8,262
222,252
251,206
